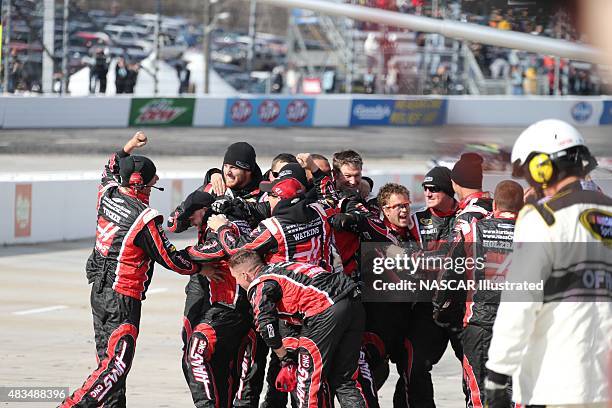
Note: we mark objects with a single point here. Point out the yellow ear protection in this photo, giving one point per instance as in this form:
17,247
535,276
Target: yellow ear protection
541,169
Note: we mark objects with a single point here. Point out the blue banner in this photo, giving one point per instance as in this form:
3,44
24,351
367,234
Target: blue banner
281,112
391,112
606,115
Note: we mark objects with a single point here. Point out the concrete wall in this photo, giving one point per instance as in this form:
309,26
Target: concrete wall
329,111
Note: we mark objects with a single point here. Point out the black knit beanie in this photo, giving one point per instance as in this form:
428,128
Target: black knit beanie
440,177
241,155
467,172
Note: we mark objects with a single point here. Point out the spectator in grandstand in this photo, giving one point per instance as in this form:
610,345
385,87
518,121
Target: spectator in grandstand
121,75
500,68
184,74
98,72
516,80
130,83
277,79
392,79
530,82
369,82
371,48
292,79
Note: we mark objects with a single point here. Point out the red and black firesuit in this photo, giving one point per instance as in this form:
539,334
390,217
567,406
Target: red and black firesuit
449,305
428,341
301,233
129,240
492,239
332,317
218,344
385,333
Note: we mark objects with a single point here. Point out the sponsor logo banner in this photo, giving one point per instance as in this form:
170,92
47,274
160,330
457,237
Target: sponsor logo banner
390,112
23,210
582,111
162,111
606,115
269,112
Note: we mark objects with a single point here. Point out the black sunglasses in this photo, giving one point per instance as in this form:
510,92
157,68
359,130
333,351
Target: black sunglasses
433,189
274,174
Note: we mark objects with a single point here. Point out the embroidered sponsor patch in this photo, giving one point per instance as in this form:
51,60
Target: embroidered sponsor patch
599,224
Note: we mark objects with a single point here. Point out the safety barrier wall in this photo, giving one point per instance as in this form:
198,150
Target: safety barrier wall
42,210
302,111
37,209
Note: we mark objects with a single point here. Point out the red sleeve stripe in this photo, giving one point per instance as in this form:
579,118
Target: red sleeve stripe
195,253
286,279
256,302
253,245
277,231
382,231
127,241
417,230
162,250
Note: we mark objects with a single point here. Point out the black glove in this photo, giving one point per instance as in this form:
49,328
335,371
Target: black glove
222,205
343,222
497,394
240,208
448,316
289,358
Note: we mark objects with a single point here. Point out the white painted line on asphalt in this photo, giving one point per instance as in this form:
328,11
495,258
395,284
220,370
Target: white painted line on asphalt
40,310
156,290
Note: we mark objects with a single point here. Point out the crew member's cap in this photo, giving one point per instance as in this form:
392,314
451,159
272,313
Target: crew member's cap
136,170
291,182
241,155
467,172
440,177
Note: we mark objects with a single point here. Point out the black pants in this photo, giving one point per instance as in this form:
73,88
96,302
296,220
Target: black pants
388,321
251,365
425,343
116,319
211,354
476,341
373,368
329,349
222,356
274,398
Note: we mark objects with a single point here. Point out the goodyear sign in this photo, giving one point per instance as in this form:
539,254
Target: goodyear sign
162,111
392,112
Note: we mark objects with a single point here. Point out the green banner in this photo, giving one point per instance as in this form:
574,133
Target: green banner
162,111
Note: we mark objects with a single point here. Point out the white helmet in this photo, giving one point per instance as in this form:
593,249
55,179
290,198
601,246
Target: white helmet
547,150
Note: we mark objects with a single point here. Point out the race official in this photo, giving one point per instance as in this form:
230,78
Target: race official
555,342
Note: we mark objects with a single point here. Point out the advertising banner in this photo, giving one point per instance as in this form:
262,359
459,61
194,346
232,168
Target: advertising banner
281,112
391,112
606,115
23,210
162,112
581,112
